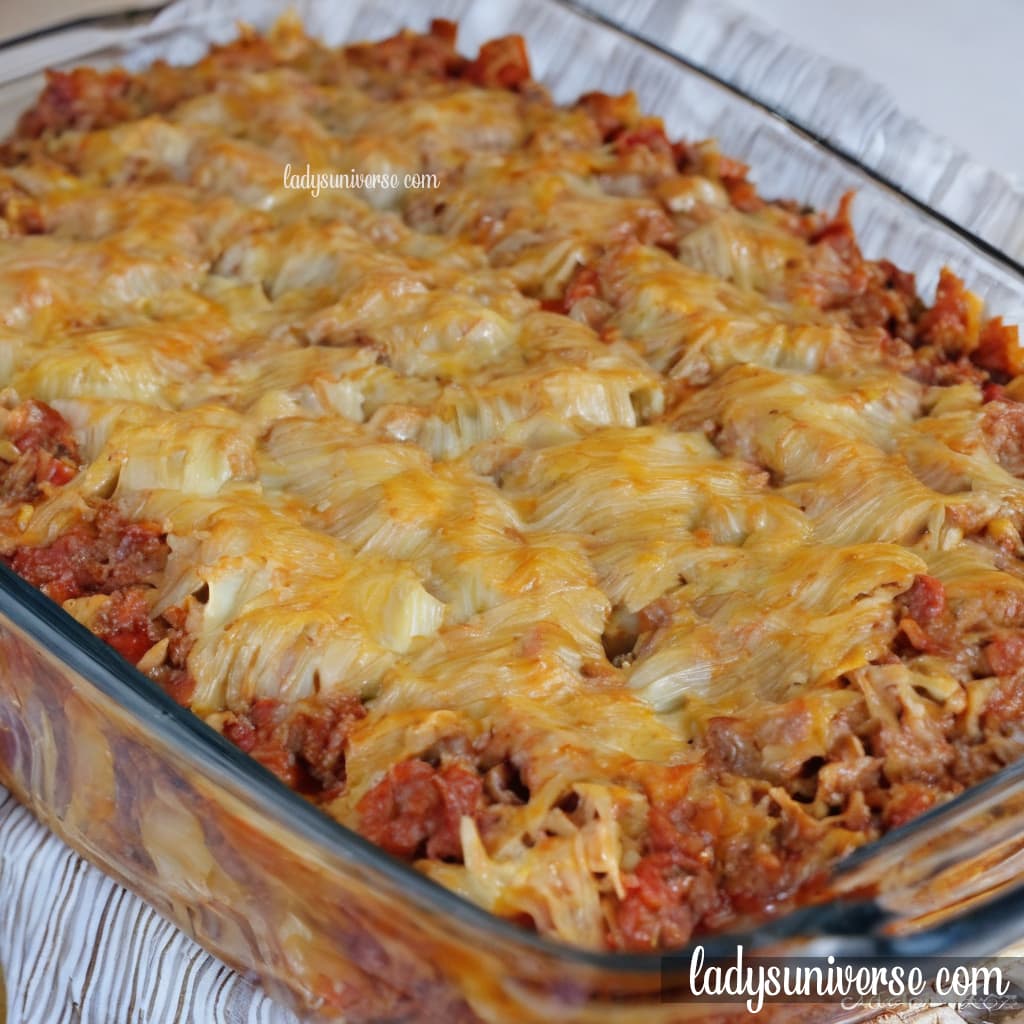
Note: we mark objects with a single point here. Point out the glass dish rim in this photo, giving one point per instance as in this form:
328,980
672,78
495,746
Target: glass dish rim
187,736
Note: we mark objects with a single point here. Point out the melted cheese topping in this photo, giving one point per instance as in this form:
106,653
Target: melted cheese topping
386,468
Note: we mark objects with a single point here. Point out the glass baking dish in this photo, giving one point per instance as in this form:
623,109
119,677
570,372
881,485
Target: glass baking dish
327,922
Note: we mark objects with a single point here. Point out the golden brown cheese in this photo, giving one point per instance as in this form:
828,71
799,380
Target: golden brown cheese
615,545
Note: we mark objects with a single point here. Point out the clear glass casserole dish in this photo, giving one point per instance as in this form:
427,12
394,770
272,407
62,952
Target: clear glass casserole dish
326,920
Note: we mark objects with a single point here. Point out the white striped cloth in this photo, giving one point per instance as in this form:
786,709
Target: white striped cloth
76,948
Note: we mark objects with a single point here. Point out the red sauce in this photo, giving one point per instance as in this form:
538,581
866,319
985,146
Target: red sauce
999,348
97,557
125,624
926,599
500,64
36,426
302,744
946,324
83,98
416,809
1006,654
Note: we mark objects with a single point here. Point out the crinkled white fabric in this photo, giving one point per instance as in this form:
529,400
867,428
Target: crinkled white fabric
76,948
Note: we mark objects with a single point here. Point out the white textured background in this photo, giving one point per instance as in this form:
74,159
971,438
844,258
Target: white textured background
79,950
954,64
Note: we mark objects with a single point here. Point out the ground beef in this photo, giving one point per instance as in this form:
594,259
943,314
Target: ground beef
416,809
871,294
999,349
1002,425
673,887
46,453
98,556
500,64
124,623
302,744
172,675
951,324
81,99
1005,654
925,601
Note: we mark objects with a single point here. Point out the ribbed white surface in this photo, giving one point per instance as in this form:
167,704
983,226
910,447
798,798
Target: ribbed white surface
78,949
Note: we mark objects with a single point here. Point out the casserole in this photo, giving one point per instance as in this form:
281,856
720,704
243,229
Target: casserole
157,855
